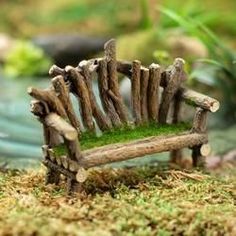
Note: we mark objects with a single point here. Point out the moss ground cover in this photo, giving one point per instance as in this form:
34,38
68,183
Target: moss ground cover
125,134
137,201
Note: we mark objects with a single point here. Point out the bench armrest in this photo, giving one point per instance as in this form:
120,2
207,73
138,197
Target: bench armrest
199,100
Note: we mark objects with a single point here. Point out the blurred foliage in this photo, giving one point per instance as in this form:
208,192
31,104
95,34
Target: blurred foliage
97,17
162,57
146,21
102,17
215,14
139,44
25,59
220,70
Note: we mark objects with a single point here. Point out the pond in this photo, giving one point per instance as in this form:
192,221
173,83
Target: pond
20,133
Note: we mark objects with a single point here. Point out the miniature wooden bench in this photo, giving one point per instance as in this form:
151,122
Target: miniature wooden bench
110,124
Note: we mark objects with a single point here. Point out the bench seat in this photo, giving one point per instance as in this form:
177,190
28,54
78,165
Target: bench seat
126,134
122,151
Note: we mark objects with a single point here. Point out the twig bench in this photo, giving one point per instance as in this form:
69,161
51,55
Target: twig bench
64,131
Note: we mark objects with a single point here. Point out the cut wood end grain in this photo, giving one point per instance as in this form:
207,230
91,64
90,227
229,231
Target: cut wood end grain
81,175
29,90
215,106
69,68
55,70
205,149
154,66
179,62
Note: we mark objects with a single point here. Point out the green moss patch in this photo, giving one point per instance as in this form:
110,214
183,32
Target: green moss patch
126,134
138,201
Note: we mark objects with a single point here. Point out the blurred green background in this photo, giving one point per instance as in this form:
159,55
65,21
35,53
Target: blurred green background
36,34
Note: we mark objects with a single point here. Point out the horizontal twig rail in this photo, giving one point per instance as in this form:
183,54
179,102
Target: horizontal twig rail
199,100
151,145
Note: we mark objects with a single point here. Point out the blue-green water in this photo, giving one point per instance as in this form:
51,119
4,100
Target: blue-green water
20,133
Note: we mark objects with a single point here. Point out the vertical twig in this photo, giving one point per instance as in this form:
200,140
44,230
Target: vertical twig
135,91
80,89
103,91
113,84
63,94
143,92
199,120
176,155
153,91
101,119
172,86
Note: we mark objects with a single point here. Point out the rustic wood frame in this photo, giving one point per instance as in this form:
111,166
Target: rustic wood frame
54,109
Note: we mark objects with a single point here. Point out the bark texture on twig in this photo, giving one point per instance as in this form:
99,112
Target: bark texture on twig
52,176
51,136
176,107
57,123
57,168
113,84
176,155
54,125
103,91
67,163
173,85
144,93
102,121
149,146
190,96
125,68
73,186
197,99
73,149
50,97
41,110
56,70
197,159
153,91
199,120
63,94
81,91
135,92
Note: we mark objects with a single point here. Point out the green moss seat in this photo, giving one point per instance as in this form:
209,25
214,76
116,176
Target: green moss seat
124,135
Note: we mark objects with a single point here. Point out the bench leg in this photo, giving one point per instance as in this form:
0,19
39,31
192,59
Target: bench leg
197,159
176,156
73,186
52,176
